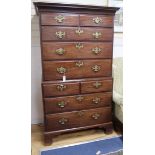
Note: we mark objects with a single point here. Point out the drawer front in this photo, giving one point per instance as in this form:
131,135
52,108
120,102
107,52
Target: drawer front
76,50
78,102
75,33
96,20
96,86
59,19
59,89
54,70
68,120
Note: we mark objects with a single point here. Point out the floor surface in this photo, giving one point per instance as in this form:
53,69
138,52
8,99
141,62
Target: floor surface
65,139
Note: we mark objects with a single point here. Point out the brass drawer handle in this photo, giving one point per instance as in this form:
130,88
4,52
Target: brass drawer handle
61,87
96,50
96,68
95,116
79,31
63,121
79,98
96,35
60,34
79,46
79,63
61,70
96,100
97,20
61,104
97,85
59,18
80,113
60,51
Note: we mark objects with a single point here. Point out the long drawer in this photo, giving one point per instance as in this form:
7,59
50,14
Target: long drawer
54,70
76,119
75,33
77,102
76,50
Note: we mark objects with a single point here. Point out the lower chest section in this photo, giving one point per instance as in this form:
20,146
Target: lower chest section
80,103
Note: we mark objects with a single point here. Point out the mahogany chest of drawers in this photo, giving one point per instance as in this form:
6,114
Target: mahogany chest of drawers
76,47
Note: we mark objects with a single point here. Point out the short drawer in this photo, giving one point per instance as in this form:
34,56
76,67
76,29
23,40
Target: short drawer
76,50
59,19
54,70
58,89
75,119
77,102
75,33
96,86
96,20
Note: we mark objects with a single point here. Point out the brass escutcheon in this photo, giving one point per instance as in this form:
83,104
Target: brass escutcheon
79,46
61,70
96,35
96,68
61,87
59,18
95,116
96,50
97,20
79,63
60,34
79,31
62,121
96,100
60,51
97,84
61,104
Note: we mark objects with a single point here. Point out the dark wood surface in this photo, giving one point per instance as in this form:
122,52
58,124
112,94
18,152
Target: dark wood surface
76,8
48,135
78,118
69,19
87,20
77,102
73,70
52,90
79,25
49,33
71,52
76,20
89,86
